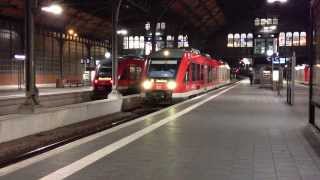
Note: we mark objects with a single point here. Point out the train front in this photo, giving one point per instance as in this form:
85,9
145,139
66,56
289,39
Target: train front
161,78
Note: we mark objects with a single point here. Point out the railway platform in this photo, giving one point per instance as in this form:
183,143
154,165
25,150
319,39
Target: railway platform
239,132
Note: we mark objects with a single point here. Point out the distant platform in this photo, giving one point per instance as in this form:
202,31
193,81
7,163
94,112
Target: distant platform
238,132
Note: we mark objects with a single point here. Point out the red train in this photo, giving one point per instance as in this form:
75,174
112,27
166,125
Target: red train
303,74
180,73
130,73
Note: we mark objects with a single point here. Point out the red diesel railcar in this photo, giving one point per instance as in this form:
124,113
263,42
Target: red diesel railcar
180,73
130,73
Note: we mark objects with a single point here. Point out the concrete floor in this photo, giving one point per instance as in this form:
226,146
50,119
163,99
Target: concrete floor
242,133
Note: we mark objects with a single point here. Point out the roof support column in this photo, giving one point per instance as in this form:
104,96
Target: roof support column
31,90
154,31
115,19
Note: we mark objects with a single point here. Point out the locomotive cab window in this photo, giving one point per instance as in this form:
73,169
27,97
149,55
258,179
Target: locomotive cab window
163,68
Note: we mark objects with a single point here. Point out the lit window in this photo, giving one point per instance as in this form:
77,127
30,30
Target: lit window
257,22
125,42
236,40
250,40
263,22
141,42
131,42
185,41
269,21
296,39
243,40
148,26
158,26
180,41
169,38
163,26
289,39
136,42
303,39
275,21
282,39
230,40
148,48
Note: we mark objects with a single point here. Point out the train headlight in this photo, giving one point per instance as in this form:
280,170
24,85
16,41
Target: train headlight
147,84
171,85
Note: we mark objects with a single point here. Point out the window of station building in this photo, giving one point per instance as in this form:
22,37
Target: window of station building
136,43
303,39
183,41
263,22
260,46
282,39
230,40
289,39
148,48
275,21
269,21
131,44
141,42
250,40
257,22
237,40
126,42
148,26
243,40
296,39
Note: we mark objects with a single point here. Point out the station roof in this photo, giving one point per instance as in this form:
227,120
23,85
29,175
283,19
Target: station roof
93,17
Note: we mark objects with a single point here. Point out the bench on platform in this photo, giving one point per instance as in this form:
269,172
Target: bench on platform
73,83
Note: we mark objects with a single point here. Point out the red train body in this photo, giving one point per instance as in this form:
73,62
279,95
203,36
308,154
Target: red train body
130,73
179,73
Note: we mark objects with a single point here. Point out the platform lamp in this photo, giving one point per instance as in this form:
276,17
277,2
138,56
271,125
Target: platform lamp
32,93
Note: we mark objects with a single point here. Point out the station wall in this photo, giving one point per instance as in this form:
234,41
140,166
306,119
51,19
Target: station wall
47,55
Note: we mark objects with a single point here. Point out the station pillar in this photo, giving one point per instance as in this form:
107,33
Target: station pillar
31,90
115,18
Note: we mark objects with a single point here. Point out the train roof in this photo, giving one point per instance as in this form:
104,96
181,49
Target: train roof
174,53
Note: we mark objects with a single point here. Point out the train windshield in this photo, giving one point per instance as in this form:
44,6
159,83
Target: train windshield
105,71
163,68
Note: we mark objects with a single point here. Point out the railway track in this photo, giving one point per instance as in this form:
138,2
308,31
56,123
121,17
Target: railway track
44,142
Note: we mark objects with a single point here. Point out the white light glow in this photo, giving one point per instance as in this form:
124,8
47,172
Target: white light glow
147,84
269,52
166,53
53,9
274,1
107,55
122,32
171,85
20,57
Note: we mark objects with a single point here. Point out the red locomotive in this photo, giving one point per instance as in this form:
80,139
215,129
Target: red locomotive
180,73
130,73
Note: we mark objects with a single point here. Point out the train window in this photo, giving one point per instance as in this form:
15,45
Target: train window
198,72
194,72
186,77
201,72
125,74
138,72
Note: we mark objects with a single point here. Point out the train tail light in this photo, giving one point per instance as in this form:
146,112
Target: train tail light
96,81
171,85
